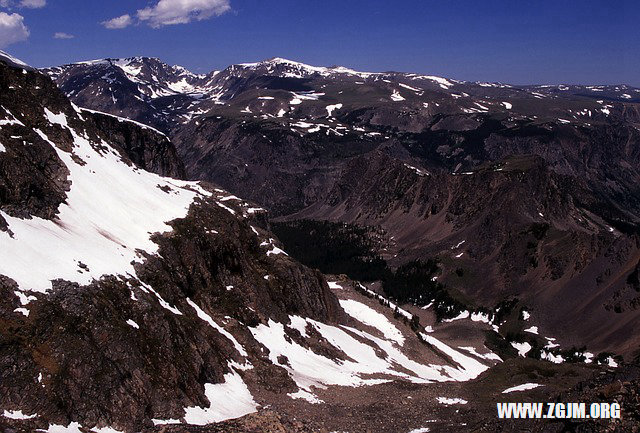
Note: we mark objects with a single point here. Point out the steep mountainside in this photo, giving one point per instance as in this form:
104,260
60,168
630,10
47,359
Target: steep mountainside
148,148
525,191
131,301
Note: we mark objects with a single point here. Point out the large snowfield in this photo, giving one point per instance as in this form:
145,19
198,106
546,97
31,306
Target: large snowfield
110,212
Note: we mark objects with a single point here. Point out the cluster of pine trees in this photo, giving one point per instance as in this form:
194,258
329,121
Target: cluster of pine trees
339,248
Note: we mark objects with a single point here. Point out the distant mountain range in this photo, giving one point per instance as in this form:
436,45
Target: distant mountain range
149,90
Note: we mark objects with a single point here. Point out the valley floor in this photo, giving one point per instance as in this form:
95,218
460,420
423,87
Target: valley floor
402,406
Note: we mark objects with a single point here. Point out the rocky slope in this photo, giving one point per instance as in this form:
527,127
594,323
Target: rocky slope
88,320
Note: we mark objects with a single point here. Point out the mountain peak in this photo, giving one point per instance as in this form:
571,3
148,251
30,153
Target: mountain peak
293,69
14,62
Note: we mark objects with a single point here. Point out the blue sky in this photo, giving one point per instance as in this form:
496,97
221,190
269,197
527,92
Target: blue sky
516,41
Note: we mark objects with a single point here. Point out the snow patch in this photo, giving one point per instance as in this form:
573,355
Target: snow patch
228,400
305,395
443,82
370,317
488,356
275,251
332,108
416,170
74,427
523,387
410,88
56,119
522,348
463,315
556,359
300,324
551,343
165,421
396,96
480,317
458,245
450,401
469,367
17,414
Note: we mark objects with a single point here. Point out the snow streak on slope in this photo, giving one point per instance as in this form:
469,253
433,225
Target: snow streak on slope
369,316
124,119
364,355
110,212
12,61
523,387
207,318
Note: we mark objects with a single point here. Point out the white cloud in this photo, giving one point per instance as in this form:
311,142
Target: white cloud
62,35
12,29
33,4
170,12
118,23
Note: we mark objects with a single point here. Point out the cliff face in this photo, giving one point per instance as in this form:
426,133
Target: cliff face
148,148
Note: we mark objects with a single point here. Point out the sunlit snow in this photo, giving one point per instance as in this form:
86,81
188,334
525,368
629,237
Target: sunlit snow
17,414
110,212
230,399
370,317
396,96
522,348
450,401
523,387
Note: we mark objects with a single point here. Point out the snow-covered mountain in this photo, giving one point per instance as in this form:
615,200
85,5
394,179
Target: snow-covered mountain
135,302
132,301
166,96
539,182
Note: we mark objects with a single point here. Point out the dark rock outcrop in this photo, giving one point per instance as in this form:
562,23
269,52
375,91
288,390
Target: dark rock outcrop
149,149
